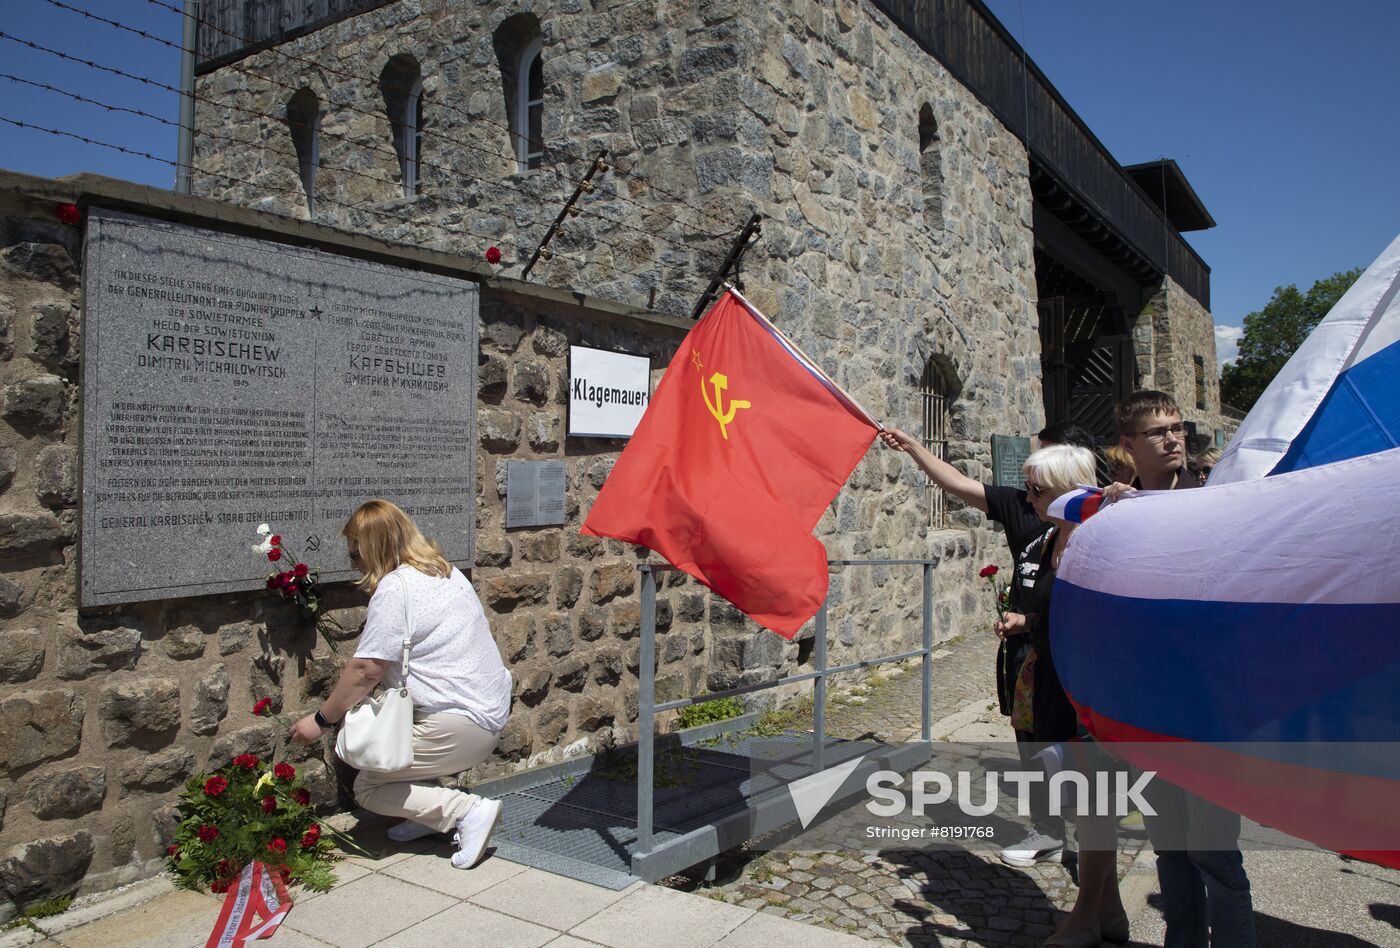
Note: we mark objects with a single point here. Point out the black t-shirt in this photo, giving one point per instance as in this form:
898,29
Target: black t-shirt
1025,535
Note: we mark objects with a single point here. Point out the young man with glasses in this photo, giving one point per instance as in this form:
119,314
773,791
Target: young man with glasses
1205,892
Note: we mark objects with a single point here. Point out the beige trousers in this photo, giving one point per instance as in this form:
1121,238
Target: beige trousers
443,744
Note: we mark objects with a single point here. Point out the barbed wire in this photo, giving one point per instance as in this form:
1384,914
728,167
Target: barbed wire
446,172
514,133
354,208
464,143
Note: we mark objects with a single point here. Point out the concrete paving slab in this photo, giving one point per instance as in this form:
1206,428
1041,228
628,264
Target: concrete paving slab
438,874
91,908
24,937
688,921
547,899
569,941
365,911
765,931
345,873
179,919
475,924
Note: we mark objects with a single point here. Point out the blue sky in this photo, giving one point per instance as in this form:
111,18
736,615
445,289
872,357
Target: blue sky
1280,112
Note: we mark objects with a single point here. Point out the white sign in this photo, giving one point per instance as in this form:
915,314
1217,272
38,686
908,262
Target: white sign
608,392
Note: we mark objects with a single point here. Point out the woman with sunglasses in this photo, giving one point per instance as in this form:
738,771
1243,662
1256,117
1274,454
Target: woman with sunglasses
459,685
1098,913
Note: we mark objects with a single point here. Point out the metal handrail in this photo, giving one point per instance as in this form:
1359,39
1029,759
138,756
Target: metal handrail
647,706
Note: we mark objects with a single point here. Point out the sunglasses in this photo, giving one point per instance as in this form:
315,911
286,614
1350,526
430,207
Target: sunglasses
1035,490
354,555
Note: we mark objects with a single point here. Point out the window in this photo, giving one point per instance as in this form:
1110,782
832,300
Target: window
1200,382
935,390
304,123
401,84
529,146
931,168
519,48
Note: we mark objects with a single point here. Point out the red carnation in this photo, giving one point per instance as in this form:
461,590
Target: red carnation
262,706
68,214
301,569
278,845
246,761
224,868
284,771
215,786
987,571
274,580
302,796
274,554
207,834
173,850
275,539
309,840
223,885
269,804
493,255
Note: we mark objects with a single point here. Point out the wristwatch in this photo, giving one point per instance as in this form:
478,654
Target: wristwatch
321,720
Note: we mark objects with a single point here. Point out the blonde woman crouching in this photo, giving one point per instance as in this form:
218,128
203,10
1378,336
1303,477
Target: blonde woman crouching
460,687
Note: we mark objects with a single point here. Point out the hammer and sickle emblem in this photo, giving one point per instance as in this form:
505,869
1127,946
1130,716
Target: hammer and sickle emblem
724,417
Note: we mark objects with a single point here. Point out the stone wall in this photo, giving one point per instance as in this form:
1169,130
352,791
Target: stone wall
875,256
105,712
1173,331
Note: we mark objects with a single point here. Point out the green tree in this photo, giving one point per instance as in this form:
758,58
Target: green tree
1274,333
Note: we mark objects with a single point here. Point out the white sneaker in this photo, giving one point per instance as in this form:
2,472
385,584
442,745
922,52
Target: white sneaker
474,831
1037,847
409,830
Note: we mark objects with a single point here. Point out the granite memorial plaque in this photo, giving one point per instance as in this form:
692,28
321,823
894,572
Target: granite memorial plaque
1009,454
534,493
230,381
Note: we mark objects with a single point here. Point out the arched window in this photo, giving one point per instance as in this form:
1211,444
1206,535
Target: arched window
304,123
518,53
936,395
401,84
931,168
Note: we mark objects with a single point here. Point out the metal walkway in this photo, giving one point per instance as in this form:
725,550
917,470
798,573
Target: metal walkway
579,819
669,803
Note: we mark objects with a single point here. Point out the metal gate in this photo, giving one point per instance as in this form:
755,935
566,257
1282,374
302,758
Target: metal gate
1087,364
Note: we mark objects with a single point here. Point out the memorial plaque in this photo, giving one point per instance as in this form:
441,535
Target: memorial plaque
534,493
1009,455
230,381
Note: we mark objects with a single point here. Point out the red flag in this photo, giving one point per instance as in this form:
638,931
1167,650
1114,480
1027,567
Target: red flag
740,452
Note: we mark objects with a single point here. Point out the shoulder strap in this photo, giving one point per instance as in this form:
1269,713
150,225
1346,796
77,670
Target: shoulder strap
407,627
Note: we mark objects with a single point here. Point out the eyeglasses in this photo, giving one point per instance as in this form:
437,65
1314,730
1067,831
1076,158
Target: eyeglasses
1158,435
1035,490
354,555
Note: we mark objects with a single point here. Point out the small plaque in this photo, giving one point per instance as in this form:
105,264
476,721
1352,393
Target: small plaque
1009,453
230,381
534,493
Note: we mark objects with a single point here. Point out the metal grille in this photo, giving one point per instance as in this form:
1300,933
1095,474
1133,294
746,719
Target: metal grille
933,390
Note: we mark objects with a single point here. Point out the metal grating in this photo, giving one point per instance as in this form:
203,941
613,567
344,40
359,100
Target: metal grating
584,825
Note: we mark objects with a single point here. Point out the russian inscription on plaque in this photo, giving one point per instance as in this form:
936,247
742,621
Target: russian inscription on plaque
230,381
1009,453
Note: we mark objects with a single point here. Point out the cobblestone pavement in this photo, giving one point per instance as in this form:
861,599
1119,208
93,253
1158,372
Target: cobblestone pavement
945,897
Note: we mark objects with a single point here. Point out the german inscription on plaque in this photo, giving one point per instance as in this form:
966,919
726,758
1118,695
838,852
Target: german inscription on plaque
534,493
1009,454
230,381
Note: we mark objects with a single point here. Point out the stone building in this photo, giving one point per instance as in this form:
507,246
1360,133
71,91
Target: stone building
938,229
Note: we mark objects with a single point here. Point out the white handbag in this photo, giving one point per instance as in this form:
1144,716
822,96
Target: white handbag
377,734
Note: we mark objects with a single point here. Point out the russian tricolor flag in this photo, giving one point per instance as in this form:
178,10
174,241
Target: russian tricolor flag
1244,640
1077,506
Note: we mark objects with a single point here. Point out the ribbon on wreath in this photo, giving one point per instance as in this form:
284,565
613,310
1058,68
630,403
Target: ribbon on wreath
253,909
